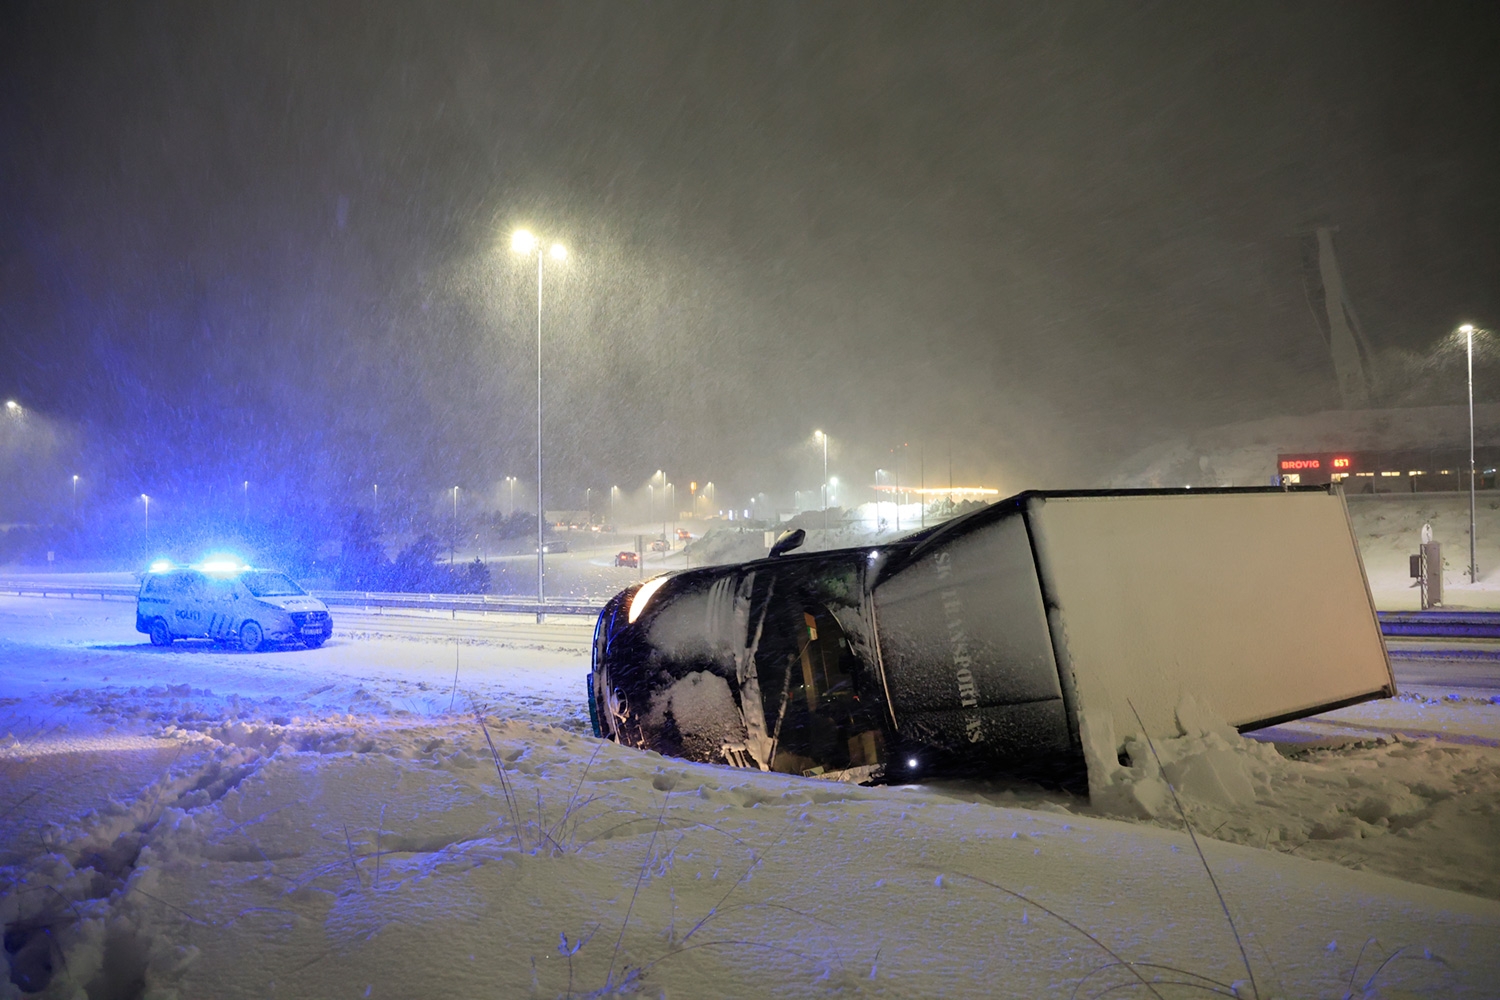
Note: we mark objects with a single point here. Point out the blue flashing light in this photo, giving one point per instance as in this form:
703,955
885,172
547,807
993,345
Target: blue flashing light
162,566
220,563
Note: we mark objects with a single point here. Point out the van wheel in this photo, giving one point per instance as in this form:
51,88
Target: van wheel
160,634
251,636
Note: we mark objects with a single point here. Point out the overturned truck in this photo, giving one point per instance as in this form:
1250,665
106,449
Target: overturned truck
1031,637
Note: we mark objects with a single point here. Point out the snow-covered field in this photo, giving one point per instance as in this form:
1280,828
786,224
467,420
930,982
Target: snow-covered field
352,821
1389,530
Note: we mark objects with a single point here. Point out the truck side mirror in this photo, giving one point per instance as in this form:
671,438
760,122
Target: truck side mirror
788,541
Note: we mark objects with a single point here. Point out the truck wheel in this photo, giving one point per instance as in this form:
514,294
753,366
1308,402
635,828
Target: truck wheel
160,634
251,636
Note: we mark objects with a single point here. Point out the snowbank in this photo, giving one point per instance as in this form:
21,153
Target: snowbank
1373,804
414,864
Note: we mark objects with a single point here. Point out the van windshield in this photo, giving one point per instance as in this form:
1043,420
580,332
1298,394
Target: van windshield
263,584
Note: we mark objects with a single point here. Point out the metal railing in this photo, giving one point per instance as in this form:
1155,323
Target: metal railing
53,588
499,603
1415,624
1436,624
503,603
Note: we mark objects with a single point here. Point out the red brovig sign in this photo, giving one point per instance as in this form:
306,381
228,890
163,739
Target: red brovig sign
1323,465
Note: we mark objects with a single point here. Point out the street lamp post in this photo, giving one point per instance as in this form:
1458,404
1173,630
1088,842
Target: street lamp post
453,535
524,242
75,495
824,438
147,501
1468,331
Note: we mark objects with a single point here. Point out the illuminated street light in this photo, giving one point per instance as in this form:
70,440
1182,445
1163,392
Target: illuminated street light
523,241
510,481
12,406
1468,331
75,495
147,501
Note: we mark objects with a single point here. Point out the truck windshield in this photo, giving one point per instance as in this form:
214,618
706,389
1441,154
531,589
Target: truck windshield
263,584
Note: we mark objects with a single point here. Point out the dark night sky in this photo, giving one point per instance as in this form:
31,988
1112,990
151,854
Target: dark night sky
270,241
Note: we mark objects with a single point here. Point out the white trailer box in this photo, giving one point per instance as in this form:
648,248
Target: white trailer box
1253,604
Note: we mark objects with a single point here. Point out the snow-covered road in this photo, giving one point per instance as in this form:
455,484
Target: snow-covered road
192,822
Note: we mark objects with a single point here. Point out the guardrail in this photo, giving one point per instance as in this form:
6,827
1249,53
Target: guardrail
500,603
511,603
1433,624
1441,624
48,588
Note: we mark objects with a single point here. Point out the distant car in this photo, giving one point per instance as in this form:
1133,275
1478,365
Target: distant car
631,559
684,535
660,545
229,604
554,545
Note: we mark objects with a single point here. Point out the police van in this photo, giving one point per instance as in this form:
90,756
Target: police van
230,604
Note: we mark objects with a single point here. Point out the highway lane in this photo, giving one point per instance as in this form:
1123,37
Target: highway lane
1440,667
